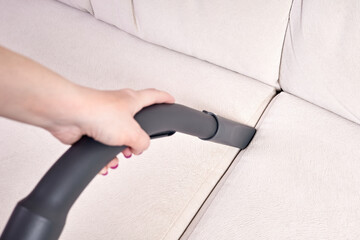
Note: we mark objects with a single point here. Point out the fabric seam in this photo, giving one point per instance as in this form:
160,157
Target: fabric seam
283,44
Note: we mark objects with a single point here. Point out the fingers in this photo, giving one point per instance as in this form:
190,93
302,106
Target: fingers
113,164
127,153
104,171
136,138
126,131
152,96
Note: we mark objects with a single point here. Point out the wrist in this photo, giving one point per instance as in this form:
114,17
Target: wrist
64,108
67,121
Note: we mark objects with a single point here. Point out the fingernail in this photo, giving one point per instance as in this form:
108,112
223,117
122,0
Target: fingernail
114,167
104,174
128,156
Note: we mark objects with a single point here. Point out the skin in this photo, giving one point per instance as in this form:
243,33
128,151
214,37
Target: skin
33,94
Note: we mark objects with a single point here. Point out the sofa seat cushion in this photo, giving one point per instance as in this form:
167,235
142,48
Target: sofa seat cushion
153,196
298,179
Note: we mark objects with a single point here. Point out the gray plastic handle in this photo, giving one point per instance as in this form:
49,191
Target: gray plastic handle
42,214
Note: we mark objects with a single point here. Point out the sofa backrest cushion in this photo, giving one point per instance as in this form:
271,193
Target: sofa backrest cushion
321,58
245,36
116,12
83,5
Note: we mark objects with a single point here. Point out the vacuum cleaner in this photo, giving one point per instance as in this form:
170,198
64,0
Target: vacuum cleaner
42,214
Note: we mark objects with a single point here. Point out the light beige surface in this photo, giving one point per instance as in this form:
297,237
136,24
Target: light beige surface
83,5
149,197
321,59
116,12
298,179
245,36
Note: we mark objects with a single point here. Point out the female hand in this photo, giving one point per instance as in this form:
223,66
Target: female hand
108,117
33,94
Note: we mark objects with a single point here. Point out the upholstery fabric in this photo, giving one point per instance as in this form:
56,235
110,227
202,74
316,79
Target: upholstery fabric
153,196
118,13
245,36
83,5
321,59
298,179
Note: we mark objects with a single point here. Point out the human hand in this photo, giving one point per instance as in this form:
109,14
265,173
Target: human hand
108,117
33,94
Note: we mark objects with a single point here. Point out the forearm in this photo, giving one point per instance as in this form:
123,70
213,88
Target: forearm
33,94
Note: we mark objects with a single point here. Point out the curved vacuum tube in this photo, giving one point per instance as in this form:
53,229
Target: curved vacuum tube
42,214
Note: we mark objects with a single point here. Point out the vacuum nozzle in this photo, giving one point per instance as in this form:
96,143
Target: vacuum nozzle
162,120
231,133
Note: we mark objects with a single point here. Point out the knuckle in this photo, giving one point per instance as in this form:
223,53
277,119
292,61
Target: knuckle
126,90
129,92
134,136
146,143
139,140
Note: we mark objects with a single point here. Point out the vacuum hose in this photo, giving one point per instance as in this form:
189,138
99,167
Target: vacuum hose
42,214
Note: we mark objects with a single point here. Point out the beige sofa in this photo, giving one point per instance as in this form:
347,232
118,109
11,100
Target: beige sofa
289,68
